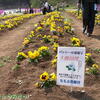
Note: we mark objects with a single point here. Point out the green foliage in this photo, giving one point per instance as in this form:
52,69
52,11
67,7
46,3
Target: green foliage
20,58
36,60
94,71
48,84
45,54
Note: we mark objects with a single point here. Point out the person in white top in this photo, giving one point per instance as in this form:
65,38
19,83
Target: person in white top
52,8
46,5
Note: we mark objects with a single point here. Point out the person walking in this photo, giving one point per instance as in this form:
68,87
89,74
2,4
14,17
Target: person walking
89,11
46,7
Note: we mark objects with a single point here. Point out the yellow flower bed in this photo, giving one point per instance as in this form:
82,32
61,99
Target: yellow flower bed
11,23
8,17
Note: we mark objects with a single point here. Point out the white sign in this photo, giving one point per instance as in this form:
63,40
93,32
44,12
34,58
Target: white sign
71,66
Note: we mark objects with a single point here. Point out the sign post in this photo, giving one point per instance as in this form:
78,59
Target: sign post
71,66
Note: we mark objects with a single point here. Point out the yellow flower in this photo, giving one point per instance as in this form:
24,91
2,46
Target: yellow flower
52,29
67,27
56,56
30,36
65,22
95,66
26,42
74,39
36,53
54,61
88,54
55,45
33,55
35,25
43,48
22,54
55,49
44,36
86,57
32,32
39,28
49,36
77,44
53,76
53,25
44,76
39,35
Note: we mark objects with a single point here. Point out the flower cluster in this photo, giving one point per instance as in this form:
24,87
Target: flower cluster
34,56
76,42
54,61
42,53
55,46
93,70
56,23
28,39
89,60
21,56
97,21
47,38
39,28
46,80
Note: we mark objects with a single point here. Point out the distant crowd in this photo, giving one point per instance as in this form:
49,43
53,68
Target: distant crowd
45,8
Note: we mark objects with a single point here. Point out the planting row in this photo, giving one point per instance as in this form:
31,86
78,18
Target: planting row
14,22
8,17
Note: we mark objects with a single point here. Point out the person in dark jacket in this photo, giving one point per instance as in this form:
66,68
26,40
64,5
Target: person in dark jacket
89,11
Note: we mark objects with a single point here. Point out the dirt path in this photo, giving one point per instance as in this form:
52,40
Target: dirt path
90,42
11,41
